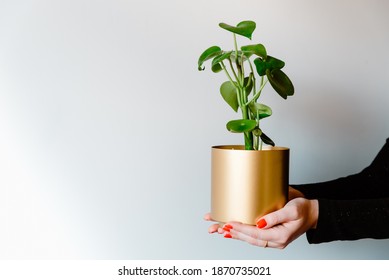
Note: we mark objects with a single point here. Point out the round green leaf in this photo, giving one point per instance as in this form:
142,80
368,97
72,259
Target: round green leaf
228,91
258,50
261,66
244,28
208,54
239,126
217,68
260,111
280,82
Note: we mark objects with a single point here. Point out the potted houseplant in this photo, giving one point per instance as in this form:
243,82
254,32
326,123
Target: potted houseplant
248,180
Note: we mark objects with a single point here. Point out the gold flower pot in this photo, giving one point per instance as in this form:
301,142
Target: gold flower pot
248,184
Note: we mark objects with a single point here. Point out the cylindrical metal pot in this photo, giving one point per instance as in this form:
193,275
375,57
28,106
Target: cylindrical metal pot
248,184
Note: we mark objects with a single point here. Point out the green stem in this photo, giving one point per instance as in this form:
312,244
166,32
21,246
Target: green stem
233,70
240,103
237,62
242,97
242,68
256,96
248,141
228,74
236,47
253,78
248,136
256,143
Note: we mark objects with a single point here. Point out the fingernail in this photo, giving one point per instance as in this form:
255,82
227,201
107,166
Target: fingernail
227,235
261,223
227,227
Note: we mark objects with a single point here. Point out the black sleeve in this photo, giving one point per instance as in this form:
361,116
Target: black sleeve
351,220
353,207
372,182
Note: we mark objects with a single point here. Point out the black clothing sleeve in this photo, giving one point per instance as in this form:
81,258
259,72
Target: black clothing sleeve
351,220
352,207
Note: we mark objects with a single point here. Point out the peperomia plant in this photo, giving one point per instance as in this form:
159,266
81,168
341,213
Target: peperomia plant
242,90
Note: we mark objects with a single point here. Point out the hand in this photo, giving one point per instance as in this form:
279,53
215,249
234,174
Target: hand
279,228
293,193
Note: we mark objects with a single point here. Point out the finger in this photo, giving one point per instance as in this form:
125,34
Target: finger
207,217
244,232
214,228
251,239
251,233
274,245
277,217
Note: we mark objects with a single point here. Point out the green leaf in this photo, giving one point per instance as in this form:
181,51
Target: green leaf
208,54
244,28
261,66
239,126
280,82
230,95
248,84
266,139
217,68
274,63
260,111
219,58
270,63
258,50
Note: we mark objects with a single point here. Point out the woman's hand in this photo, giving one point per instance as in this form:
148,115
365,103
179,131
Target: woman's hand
279,228
293,193
276,229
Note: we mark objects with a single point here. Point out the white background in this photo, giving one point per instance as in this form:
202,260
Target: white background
190,269
106,124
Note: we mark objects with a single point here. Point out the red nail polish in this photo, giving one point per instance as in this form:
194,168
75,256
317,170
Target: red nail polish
227,227
227,235
261,223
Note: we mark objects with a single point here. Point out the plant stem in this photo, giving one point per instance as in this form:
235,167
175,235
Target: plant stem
248,136
253,78
228,74
238,64
236,47
256,143
233,70
256,96
248,141
241,92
